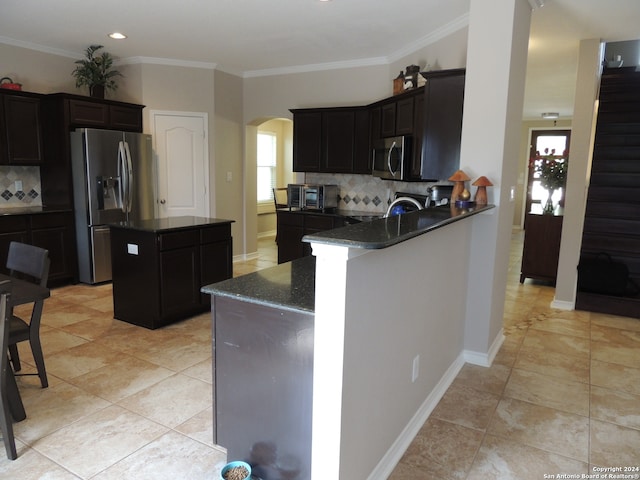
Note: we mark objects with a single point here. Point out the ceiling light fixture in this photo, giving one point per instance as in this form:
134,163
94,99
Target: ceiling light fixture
550,115
117,36
536,4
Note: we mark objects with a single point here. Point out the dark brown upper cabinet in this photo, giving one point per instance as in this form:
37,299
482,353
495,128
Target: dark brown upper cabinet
20,129
334,140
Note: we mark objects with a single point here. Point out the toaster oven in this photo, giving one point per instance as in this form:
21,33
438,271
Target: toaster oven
312,197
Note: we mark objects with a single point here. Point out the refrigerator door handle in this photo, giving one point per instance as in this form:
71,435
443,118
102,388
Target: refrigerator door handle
130,179
122,175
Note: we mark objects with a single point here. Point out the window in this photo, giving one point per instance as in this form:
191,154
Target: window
266,166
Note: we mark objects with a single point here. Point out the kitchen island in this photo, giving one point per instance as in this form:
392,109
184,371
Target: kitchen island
159,266
377,296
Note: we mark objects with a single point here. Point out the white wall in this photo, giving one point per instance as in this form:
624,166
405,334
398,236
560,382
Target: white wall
494,97
375,311
578,174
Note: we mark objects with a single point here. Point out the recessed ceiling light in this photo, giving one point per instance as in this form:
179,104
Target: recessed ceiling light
550,115
117,36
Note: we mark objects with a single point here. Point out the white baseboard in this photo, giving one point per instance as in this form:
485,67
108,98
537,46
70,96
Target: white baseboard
563,305
270,233
243,257
485,359
390,459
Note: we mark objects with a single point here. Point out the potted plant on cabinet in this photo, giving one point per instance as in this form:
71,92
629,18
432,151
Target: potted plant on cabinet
95,71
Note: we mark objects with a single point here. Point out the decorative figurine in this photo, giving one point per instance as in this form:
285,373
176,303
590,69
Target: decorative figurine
481,193
459,187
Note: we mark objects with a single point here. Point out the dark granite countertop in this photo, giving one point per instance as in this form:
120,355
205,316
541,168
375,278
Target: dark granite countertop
357,215
33,210
167,224
385,232
288,286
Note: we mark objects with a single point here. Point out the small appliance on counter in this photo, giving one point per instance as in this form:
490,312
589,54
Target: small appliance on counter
440,194
436,196
312,197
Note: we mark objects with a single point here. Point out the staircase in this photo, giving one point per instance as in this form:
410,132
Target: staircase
612,217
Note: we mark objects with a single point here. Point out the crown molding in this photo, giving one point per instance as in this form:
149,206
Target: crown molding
39,48
317,67
431,38
165,61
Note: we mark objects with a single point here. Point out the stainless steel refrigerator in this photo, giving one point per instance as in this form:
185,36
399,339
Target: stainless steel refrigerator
113,181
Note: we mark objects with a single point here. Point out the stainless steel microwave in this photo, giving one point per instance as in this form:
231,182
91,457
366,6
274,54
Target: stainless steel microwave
312,197
392,158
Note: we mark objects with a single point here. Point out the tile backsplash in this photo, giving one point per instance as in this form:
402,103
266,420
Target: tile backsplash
11,195
364,193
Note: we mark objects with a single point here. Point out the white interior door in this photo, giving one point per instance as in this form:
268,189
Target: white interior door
181,147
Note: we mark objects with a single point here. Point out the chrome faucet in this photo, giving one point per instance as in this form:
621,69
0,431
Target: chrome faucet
402,200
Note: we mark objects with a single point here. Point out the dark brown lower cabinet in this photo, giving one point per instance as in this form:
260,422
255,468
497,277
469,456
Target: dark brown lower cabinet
158,273
541,247
293,225
53,231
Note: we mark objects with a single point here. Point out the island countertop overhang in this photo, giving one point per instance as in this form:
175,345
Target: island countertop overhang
389,231
170,223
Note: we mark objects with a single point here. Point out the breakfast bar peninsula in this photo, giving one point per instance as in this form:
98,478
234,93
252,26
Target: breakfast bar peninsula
309,356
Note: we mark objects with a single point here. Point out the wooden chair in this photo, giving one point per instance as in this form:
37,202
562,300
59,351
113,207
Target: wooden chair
31,262
280,197
6,420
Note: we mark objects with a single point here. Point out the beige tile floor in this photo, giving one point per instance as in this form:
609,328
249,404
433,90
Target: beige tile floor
562,397
129,403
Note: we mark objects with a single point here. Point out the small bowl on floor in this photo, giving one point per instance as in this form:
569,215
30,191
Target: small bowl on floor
235,466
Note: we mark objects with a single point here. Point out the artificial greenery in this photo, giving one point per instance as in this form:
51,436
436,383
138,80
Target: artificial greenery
551,168
96,69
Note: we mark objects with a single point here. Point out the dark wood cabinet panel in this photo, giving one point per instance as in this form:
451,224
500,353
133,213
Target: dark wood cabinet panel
179,280
362,143
442,126
13,228
333,140
541,247
404,116
388,120
51,231
125,117
104,114
167,271
307,141
55,232
289,239
88,114
415,166
292,226
338,141
21,130
215,265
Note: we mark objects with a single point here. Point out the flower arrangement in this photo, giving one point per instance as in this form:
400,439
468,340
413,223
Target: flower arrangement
551,168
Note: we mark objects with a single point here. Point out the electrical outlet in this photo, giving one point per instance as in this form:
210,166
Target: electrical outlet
416,368
229,176
18,185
